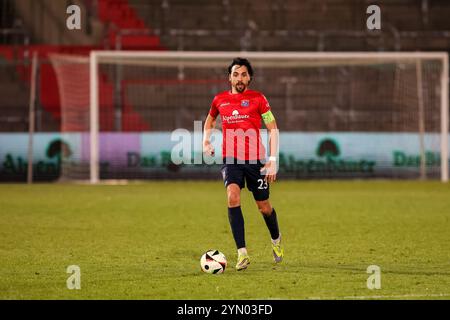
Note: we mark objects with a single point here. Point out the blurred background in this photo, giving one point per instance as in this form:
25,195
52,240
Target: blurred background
340,120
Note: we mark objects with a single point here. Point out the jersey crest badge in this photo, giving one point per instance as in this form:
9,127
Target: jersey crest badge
245,103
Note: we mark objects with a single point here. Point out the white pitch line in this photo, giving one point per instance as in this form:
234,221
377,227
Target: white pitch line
383,296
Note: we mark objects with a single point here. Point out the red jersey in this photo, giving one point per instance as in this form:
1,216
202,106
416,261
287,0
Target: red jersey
241,123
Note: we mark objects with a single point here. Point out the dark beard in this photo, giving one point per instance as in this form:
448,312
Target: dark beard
240,86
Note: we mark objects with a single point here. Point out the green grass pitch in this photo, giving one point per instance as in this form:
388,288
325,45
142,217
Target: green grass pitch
144,241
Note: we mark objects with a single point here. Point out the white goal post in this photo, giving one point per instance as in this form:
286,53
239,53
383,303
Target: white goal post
283,60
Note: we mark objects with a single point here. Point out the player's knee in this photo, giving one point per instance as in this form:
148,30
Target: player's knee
234,199
265,209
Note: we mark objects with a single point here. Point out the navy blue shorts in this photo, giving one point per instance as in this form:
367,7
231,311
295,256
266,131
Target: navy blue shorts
246,173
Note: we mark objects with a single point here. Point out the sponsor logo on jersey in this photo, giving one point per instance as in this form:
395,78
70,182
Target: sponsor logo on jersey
224,104
235,117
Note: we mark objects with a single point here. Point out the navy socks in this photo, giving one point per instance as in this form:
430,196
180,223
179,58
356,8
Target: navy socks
237,226
272,225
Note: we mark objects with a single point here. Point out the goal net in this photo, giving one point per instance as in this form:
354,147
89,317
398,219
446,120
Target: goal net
340,115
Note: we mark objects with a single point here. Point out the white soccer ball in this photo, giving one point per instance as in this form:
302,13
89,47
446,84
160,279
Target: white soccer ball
213,261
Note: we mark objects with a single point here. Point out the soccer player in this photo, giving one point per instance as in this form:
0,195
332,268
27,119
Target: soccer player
242,111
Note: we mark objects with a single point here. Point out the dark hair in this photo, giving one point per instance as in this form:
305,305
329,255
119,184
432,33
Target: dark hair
241,62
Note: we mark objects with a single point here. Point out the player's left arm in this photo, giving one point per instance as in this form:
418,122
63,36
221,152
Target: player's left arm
270,168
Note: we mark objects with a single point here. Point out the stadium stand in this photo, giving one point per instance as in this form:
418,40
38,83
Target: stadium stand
222,25
50,38
336,25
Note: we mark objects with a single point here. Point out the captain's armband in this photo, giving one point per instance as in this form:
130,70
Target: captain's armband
268,117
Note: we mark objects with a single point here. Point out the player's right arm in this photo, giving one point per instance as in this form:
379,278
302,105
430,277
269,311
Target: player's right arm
210,124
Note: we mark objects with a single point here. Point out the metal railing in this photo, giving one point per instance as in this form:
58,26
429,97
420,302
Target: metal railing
14,36
256,39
